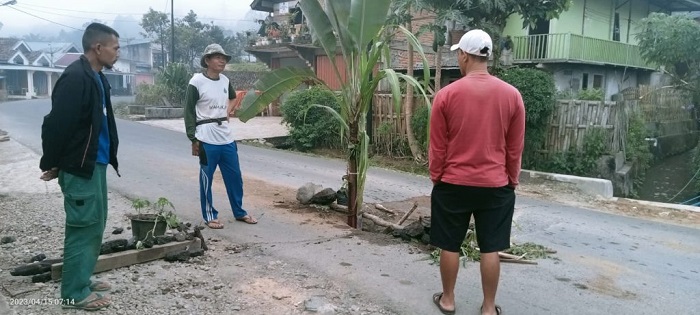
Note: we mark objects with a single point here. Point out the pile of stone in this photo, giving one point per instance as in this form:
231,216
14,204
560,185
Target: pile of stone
312,193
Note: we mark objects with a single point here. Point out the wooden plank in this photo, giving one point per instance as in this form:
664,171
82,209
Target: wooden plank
132,257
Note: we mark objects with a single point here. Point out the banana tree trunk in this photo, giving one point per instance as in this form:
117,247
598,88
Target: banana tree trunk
352,174
408,108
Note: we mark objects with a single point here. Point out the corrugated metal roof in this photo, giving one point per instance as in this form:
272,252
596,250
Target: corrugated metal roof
678,5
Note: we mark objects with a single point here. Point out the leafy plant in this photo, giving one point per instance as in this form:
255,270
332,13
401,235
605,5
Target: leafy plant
157,213
311,126
591,95
637,148
672,41
174,80
390,143
420,126
582,162
150,94
566,95
538,91
469,250
355,30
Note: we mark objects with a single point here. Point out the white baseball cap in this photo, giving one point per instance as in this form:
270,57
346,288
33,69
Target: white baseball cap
475,42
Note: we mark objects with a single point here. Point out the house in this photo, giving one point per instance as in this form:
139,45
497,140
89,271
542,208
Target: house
284,42
593,44
31,69
141,59
27,73
53,51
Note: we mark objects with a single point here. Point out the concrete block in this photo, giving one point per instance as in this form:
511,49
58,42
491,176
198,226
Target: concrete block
623,181
619,160
164,112
592,186
137,109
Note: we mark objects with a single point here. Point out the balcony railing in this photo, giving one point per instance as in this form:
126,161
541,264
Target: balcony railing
576,48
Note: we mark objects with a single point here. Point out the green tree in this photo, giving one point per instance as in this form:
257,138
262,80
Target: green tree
672,41
191,36
156,25
357,30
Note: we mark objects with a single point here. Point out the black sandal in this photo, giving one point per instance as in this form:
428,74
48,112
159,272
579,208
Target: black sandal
436,299
498,309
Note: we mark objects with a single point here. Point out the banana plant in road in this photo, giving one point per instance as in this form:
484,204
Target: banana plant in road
358,31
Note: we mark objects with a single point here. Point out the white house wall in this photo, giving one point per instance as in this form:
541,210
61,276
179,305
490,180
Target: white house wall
569,78
122,66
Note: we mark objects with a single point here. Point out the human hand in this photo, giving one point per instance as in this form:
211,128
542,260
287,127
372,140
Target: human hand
195,148
50,174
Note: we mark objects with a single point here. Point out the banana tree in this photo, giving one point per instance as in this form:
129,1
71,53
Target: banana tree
358,31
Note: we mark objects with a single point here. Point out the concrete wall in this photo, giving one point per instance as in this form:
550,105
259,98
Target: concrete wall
671,138
570,21
164,112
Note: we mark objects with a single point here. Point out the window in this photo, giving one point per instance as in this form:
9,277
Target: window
597,81
584,82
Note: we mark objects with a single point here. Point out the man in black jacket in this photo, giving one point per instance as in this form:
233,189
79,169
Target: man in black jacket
79,138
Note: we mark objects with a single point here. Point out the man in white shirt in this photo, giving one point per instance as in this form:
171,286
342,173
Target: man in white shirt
206,121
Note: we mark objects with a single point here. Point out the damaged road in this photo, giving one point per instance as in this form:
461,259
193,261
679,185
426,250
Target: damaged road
606,263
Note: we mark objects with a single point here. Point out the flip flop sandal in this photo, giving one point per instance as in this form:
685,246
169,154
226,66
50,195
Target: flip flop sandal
499,311
215,224
436,299
91,299
247,219
100,286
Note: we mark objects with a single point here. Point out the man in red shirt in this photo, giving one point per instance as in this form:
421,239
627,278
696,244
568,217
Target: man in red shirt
477,130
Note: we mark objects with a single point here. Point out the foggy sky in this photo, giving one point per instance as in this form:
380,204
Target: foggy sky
231,14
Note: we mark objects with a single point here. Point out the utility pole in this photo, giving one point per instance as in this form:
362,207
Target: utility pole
172,27
163,56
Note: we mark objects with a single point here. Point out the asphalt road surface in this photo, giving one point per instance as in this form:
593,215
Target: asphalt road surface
606,264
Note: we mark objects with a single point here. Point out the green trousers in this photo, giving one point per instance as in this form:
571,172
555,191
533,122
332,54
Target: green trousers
85,203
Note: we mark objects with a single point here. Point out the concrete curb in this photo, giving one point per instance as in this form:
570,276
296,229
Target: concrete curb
670,206
592,186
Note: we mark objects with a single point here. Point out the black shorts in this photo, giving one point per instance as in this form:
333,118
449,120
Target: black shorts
451,210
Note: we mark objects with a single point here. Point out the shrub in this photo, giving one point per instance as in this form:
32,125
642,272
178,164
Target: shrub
149,94
390,143
591,95
582,162
538,91
311,127
174,80
419,123
637,148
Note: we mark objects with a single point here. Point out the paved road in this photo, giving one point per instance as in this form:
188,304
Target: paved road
606,264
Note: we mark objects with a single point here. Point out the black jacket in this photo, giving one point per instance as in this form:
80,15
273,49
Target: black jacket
70,132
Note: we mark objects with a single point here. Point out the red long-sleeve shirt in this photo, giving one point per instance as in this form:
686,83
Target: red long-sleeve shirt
477,132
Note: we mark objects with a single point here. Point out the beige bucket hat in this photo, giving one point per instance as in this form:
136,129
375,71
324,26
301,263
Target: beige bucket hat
212,50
